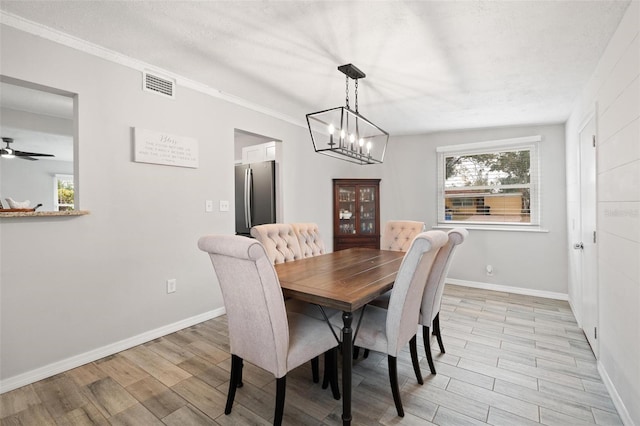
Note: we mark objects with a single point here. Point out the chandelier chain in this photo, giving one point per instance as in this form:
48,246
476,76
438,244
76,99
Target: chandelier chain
347,91
356,95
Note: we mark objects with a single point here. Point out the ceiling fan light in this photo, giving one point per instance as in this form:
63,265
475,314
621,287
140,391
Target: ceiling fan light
7,153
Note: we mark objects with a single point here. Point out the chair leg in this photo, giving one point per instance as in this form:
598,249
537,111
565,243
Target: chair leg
325,377
395,389
356,352
366,353
413,347
314,370
436,331
427,348
236,371
281,387
240,369
331,370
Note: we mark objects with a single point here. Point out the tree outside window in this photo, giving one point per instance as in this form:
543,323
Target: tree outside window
64,194
490,182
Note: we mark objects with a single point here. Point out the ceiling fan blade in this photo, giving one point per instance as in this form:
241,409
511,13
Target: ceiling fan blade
31,154
26,157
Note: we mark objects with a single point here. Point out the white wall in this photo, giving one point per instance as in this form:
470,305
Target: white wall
522,260
73,288
614,94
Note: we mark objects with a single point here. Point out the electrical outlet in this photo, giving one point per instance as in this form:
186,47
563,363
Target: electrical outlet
489,270
208,206
224,205
171,285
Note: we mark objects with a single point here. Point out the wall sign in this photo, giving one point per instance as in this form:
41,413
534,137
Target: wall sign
162,148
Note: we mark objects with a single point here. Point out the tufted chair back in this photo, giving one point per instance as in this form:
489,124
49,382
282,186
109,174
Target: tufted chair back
308,234
398,234
279,241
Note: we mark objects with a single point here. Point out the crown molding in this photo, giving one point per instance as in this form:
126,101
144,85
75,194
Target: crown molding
84,46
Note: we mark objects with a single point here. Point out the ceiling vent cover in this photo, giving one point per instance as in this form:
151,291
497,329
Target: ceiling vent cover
159,85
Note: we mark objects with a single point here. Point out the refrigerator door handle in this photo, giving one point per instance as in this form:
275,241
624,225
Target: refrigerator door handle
248,181
246,207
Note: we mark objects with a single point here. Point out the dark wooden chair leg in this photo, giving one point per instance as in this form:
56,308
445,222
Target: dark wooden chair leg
281,387
240,368
356,352
325,376
314,370
236,368
427,348
331,367
413,347
436,331
395,389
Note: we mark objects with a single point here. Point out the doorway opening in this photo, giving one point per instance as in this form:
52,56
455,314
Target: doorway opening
258,170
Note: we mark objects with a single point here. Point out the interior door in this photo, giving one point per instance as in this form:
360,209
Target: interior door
588,206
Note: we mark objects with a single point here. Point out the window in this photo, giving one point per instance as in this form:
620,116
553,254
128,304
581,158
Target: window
63,193
489,183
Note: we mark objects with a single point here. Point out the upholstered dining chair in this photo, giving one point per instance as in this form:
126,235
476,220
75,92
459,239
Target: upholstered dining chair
389,330
283,245
261,331
398,234
311,244
279,240
309,239
432,296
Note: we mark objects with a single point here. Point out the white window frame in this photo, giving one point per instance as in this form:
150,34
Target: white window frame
530,143
56,178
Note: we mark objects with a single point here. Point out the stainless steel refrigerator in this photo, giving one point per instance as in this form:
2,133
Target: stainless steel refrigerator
255,195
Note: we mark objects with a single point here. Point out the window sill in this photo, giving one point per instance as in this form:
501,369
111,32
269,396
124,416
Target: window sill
44,214
483,227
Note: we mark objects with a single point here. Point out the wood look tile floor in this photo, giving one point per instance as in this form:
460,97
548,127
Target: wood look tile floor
510,360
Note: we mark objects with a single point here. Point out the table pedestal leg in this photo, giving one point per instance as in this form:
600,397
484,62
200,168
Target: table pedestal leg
347,351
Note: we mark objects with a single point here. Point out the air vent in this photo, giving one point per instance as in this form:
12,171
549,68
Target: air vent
159,85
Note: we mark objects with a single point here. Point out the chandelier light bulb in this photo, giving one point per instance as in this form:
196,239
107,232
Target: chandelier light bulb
361,142
331,130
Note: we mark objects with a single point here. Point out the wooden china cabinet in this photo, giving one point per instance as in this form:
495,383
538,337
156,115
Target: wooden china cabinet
356,213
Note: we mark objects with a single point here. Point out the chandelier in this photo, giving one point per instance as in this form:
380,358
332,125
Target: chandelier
345,134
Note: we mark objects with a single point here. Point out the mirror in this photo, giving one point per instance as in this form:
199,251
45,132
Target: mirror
37,126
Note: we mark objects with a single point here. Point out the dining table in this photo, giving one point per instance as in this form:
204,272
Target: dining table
345,280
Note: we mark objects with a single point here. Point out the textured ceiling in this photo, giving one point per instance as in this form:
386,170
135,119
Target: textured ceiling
430,65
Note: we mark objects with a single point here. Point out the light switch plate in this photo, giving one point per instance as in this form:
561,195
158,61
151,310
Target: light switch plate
208,206
224,205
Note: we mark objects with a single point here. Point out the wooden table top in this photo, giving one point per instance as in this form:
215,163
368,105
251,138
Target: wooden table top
344,280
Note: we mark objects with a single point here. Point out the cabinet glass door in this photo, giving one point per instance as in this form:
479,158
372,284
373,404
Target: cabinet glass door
368,210
347,209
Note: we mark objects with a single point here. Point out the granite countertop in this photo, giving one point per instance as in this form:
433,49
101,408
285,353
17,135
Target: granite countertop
43,213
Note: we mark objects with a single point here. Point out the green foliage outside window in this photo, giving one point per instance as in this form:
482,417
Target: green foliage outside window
65,194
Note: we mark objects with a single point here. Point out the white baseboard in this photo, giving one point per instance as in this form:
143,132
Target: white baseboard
32,376
615,397
509,289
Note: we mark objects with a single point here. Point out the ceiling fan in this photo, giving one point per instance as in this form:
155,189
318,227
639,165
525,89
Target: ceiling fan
8,152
